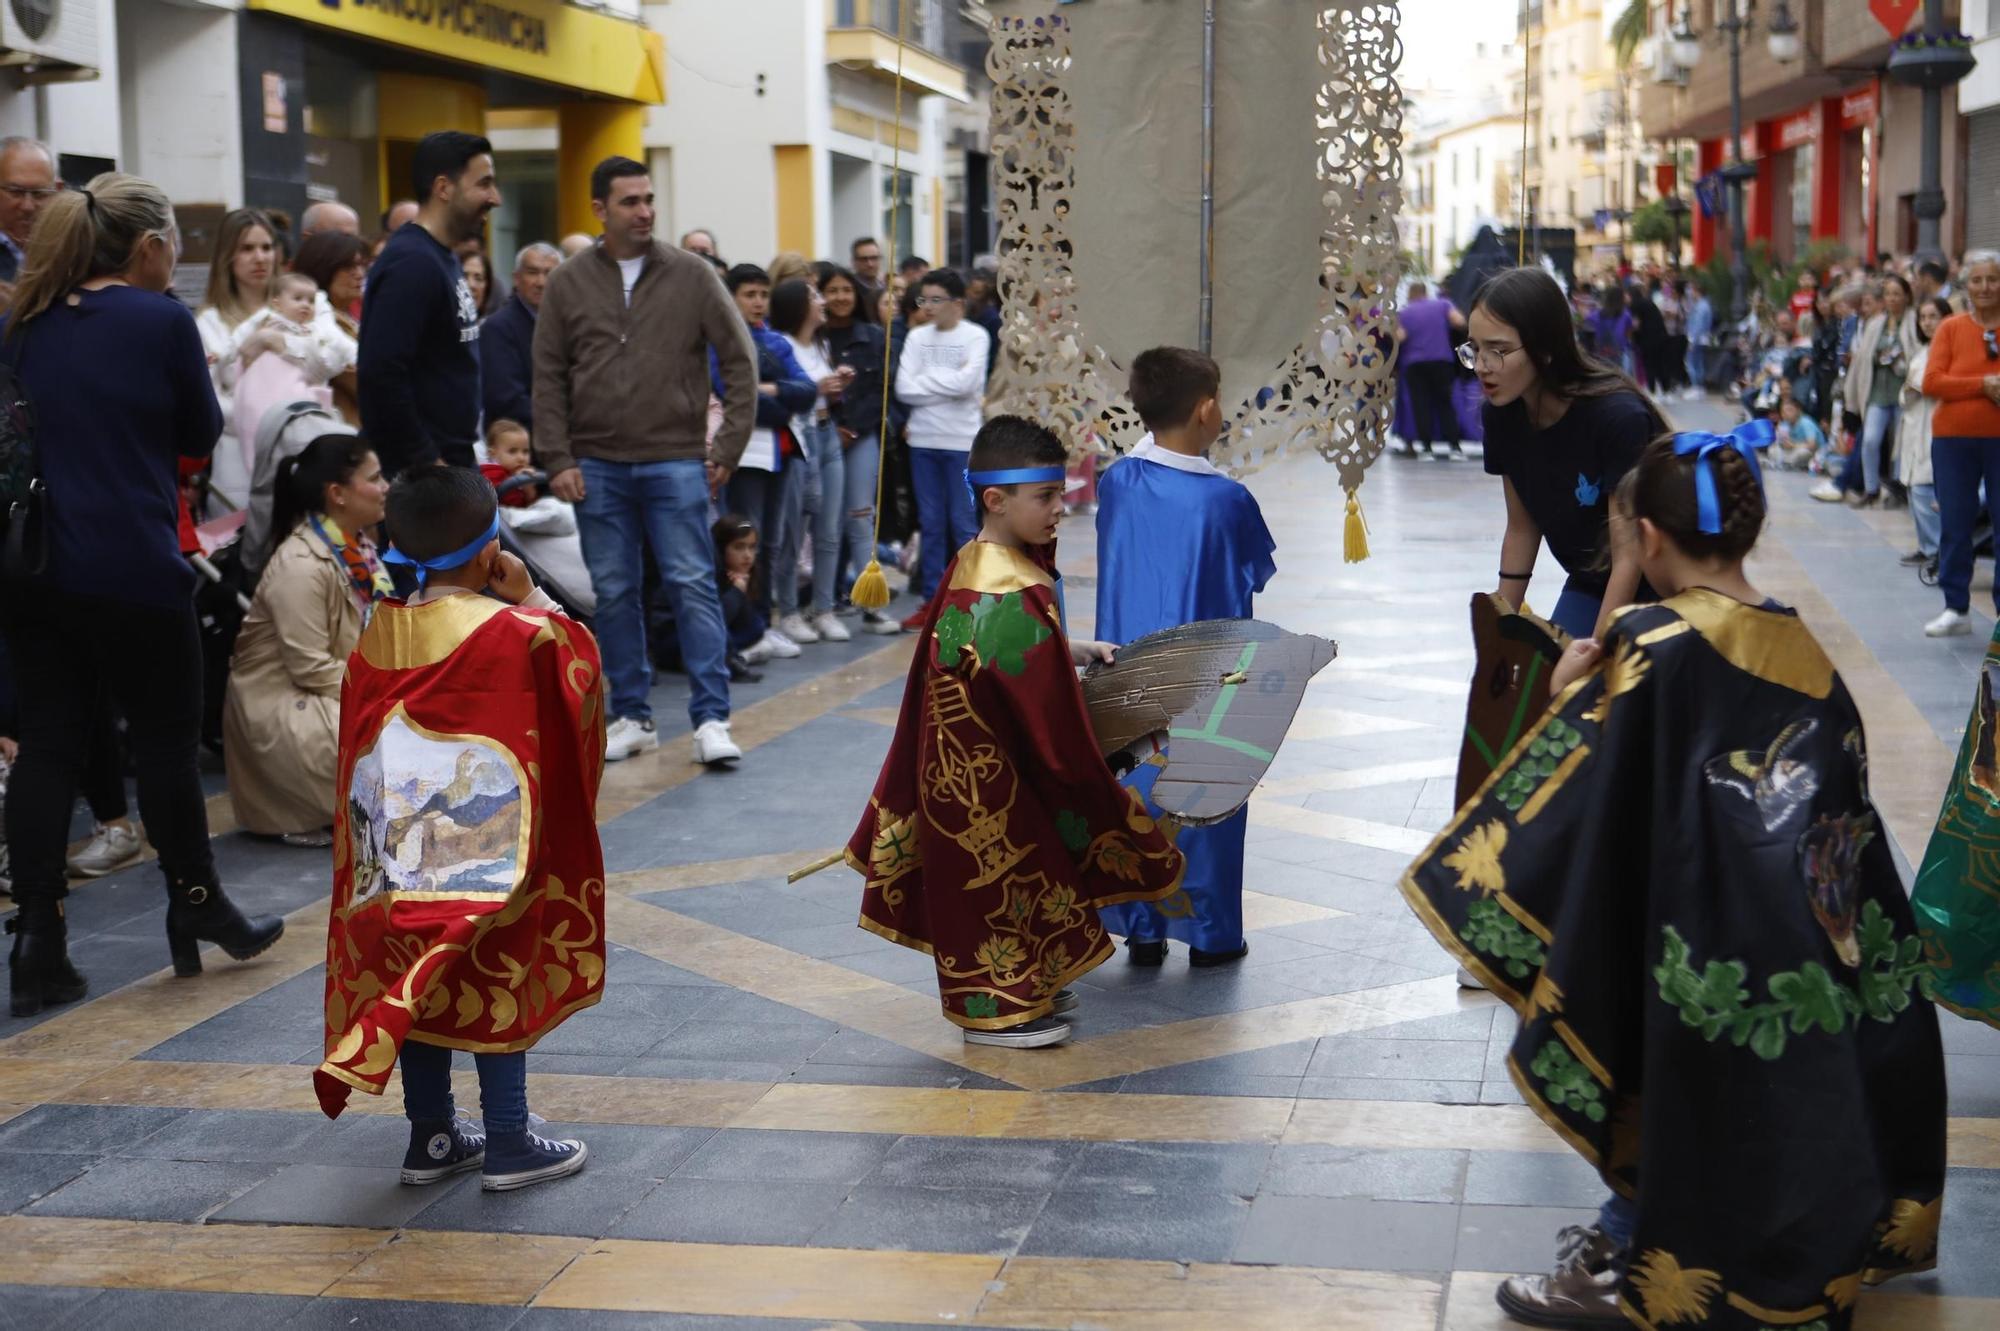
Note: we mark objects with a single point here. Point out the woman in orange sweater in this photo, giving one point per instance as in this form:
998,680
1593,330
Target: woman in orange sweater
1964,375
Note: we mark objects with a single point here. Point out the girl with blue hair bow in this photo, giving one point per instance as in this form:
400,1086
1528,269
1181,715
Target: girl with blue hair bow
1679,882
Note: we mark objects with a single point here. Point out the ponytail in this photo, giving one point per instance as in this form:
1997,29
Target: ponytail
299,487
87,233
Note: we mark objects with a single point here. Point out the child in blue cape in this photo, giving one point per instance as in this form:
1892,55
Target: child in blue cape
1179,542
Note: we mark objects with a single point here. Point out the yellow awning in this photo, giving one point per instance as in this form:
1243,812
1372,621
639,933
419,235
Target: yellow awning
544,40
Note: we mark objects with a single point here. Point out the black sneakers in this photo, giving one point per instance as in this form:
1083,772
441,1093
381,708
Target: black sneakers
441,1148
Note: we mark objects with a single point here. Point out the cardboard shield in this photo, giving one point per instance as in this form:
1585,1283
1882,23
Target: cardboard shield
1513,653
1222,693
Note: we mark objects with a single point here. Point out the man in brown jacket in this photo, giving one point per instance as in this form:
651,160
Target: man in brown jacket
621,357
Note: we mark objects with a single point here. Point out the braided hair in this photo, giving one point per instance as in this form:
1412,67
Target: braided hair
1661,489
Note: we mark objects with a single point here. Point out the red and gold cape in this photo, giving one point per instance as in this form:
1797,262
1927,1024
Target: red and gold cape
996,830
468,882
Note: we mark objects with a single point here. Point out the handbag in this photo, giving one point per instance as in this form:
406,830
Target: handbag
24,549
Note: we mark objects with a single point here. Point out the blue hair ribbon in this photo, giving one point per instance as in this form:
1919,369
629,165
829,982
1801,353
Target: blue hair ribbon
444,563
1746,439
975,481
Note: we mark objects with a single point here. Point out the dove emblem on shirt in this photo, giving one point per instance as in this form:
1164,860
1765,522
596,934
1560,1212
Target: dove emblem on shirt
1777,781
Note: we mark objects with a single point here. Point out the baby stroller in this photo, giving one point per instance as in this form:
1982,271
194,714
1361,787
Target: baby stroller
1982,548
220,605
554,559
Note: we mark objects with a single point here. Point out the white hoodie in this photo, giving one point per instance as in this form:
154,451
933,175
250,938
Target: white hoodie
942,380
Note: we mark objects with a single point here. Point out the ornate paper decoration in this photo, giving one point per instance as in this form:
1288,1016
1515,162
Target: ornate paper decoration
1335,393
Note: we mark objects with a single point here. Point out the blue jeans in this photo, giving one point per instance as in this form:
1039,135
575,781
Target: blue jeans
1863,471
503,1086
944,510
846,513
1697,366
667,503
1618,1218
772,500
1576,612
1924,512
1958,465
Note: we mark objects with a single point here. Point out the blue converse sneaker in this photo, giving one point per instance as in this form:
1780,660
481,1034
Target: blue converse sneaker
522,1159
440,1148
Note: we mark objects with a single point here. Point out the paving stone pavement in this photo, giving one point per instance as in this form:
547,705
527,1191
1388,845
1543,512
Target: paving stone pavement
1323,1136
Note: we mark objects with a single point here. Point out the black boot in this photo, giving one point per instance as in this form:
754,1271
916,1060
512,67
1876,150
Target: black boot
199,913
39,972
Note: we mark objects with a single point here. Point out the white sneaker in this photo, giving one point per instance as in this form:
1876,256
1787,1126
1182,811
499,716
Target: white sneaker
794,626
780,646
1950,624
629,735
712,744
110,849
876,621
760,651
1827,493
829,627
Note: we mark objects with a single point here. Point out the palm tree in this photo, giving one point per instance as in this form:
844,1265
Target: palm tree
1628,30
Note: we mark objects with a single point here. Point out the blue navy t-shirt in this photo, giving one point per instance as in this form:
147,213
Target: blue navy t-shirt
418,360
1566,473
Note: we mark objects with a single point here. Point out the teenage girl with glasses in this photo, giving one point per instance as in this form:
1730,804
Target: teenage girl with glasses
1561,432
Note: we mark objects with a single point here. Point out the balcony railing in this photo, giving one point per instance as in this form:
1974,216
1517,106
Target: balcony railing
925,30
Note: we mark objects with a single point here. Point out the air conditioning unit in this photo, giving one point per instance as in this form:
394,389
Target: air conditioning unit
1658,56
50,39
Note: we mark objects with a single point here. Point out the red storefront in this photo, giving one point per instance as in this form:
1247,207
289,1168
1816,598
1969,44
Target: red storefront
1818,178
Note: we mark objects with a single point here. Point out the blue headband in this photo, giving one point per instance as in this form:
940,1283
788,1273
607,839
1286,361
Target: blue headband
458,558
1746,439
975,481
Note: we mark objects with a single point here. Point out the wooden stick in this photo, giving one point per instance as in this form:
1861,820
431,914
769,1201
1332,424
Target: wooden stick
808,870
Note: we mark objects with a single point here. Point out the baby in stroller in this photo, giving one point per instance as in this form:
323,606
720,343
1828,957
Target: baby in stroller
536,525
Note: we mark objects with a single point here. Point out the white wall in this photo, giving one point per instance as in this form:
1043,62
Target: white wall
1981,88
180,100
720,128
84,117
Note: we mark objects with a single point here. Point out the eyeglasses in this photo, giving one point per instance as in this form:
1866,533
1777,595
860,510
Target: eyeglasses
20,193
1481,358
930,302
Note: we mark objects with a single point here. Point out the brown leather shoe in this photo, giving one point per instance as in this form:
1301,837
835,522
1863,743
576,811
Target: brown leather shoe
1581,1292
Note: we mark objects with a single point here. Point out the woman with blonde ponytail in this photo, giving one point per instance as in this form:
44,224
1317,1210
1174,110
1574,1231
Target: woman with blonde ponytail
115,374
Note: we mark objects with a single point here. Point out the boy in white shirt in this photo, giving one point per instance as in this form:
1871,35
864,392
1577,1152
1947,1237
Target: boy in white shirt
941,378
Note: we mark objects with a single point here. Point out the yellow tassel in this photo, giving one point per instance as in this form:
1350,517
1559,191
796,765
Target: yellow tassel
871,589
1357,533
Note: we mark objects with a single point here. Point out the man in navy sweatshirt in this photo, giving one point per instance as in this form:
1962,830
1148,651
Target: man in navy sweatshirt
419,363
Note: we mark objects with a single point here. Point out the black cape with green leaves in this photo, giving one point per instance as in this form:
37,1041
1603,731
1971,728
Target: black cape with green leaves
1678,882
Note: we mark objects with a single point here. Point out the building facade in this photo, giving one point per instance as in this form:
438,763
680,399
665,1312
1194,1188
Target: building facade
1836,145
280,103
1979,104
1586,161
784,133
1465,177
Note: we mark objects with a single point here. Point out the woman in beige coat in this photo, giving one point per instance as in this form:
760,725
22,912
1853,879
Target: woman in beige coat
281,721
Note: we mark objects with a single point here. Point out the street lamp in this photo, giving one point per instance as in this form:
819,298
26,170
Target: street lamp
1782,37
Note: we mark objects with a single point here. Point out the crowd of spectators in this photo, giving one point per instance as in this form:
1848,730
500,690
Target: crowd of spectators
1848,361
716,483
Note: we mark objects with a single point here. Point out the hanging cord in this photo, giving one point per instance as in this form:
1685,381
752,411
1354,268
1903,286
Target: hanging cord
871,589
1527,74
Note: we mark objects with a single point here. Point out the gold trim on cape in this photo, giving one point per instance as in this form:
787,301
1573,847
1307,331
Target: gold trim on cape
995,570
1775,647
405,637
